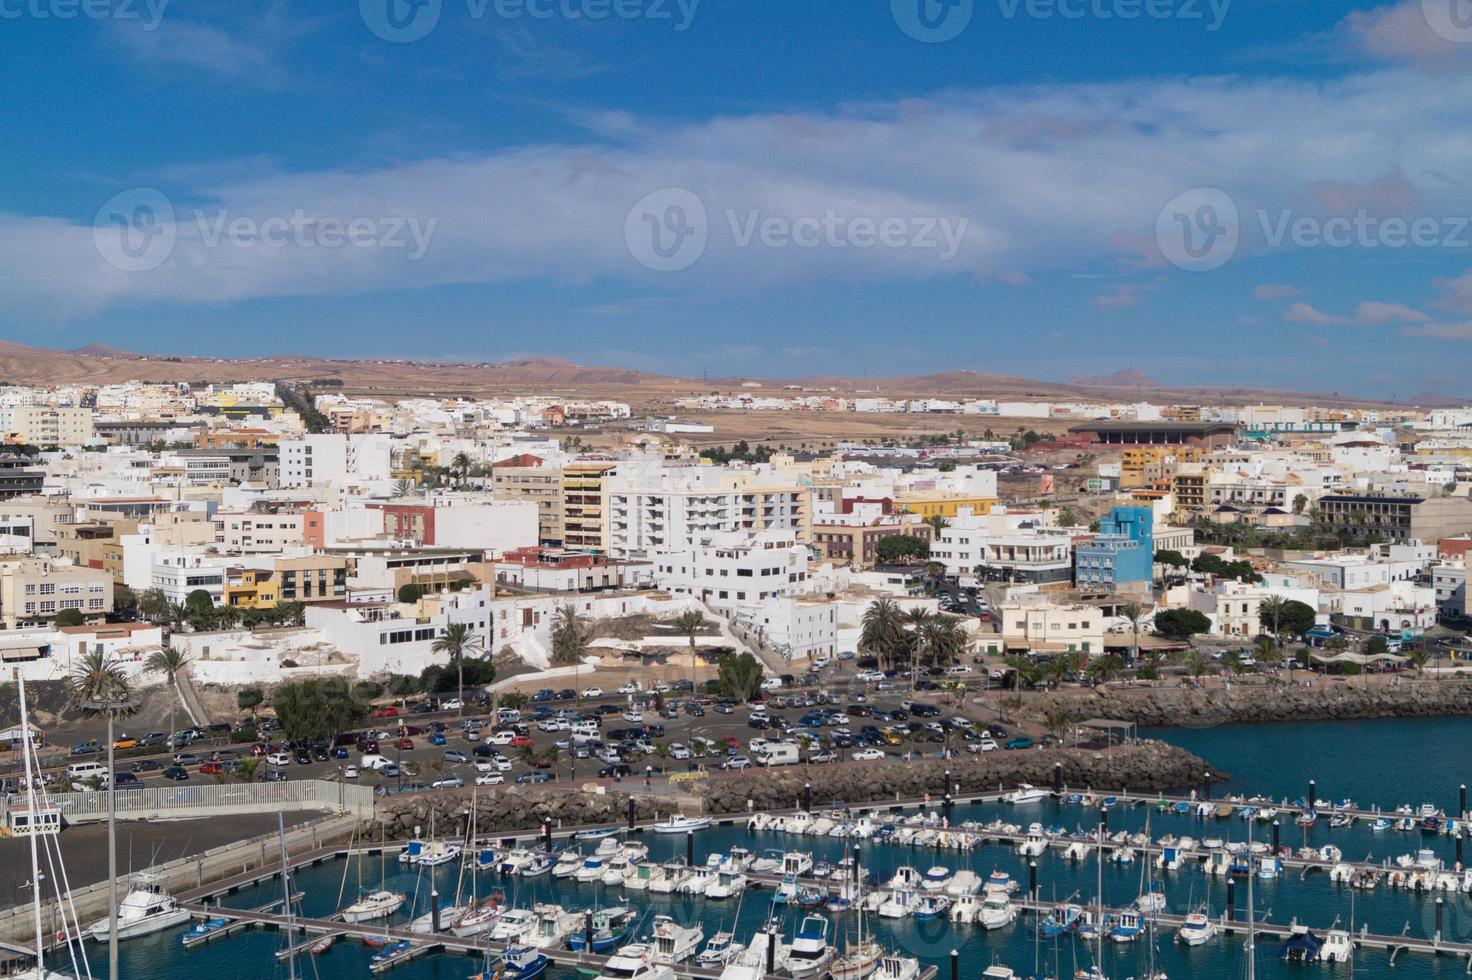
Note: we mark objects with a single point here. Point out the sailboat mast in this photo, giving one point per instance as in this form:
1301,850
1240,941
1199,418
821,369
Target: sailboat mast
31,802
286,897
1099,897
1251,939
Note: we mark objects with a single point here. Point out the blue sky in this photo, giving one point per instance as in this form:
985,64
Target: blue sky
1253,191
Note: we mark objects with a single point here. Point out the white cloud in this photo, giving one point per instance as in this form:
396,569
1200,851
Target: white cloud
1051,178
1304,313
1374,313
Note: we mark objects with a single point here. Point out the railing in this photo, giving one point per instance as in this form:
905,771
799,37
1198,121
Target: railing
178,801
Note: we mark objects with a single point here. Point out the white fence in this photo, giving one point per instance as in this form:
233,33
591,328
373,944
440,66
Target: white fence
182,802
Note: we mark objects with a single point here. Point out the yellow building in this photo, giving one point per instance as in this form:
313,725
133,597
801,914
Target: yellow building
1141,466
251,588
940,503
1190,491
584,486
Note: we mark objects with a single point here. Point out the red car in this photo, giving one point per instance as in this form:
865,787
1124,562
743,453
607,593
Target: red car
389,712
520,741
211,768
407,744
541,762
259,749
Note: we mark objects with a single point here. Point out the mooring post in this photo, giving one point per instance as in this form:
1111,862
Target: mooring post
1232,898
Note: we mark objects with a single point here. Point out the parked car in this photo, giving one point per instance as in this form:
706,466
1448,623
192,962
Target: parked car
592,692
1020,742
274,776
490,779
455,755
350,772
176,773
146,765
449,780
86,748
866,755
535,777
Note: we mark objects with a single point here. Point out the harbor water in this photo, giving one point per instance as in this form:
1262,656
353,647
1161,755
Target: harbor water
1381,763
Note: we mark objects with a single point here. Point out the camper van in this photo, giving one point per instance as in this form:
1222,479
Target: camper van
779,754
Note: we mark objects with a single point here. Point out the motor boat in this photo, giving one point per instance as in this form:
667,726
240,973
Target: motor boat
1196,930
554,925
799,863
932,906
810,954
514,926
644,876
897,967
899,904
514,860
1127,927
728,884
1337,948
616,871
517,963
719,950
680,824
146,908
635,962
1064,918
567,864
996,911
591,870
964,882
609,928
674,943
539,865
1026,793
1035,844
375,905
904,877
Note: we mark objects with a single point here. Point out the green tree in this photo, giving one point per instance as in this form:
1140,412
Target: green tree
124,601
153,604
368,690
570,636
247,769
1134,614
882,630
1377,644
937,524
1025,673
410,593
169,662
1057,723
1181,624
457,641
249,699
901,548
317,707
198,602
1419,658
1197,664
1103,669
69,617
1171,558
739,676
689,624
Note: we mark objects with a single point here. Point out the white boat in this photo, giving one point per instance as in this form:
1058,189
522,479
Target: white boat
728,884
797,863
1026,793
904,877
608,847
567,864
675,873
513,927
616,871
479,920
810,954
963,882
679,824
554,925
719,950
936,879
438,852
644,877
1035,844
1196,930
899,904
897,967
537,866
635,962
674,943
749,964
449,918
591,870
1337,947
696,882
996,912
375,905
514,860
146,908
998,971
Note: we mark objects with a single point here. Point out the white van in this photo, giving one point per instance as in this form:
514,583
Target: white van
374,762
778,754
508,716
79,772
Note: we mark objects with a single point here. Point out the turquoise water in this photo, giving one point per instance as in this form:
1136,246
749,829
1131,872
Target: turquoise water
1373,762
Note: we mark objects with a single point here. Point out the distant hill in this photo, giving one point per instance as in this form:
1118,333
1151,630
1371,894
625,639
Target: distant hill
102,350
1131,378
1435,399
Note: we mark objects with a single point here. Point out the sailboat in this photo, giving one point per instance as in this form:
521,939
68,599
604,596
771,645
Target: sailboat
42,822
1096,972
379,904
861,958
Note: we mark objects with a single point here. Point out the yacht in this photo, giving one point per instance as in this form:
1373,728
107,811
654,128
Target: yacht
376,905
674,943
858,961
449,917
591,870
726,885
635,962
616,871
996,911
1026,793
680,824
514,926
567,864
720,949
811,954
749,964
554,925
897,967
608,847
1196,930
146,909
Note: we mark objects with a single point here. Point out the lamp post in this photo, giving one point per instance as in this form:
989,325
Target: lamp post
110,707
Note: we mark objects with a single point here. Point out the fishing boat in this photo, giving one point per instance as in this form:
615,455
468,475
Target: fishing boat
680,824
609,928
146,908
674,943
899,904
539,865
1062,919
932,906
514,860
1127,927
1338,947
719,950
567,864
728,884
392,951
997,911
897,967
810,954
1307,818
644,876
1341,820
516,963
1196,930
555,925
322,945
513,926
1026,793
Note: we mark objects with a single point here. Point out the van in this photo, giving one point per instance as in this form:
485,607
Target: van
507,716
80,772
779,754
374,762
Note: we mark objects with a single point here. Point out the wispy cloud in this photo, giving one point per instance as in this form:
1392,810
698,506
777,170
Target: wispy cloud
1272,291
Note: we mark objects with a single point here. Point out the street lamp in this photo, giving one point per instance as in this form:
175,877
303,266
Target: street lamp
111,706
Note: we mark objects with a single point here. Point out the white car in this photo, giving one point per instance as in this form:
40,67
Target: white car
988,744
502,737
959,670
629,688
866,755
350,772
278,759
490,779
634,717
472,734
503,764
678,751
870,676
771,683
592,692
453,704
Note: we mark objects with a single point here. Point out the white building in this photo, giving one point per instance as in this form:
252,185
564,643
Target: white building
340,459
729,570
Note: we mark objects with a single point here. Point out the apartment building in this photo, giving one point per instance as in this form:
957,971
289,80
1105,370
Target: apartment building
543,486
250,588
177,573
312,578
731,569
1395,516
321,458
1040,626
18,479
1121,554
584,487
252,533
33,591
49,425
560,570
858,544
496,526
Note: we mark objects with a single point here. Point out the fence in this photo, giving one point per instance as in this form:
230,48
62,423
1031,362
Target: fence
177,802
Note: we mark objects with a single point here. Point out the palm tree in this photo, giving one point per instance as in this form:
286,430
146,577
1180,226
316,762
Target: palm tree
461,464
98,685
881,631
176,615
1197,664
168,661
1056,723
228,617
1270,610
570,636
937,524
246,769
457,640
1104,669
1419,657
690,624
402,488
1028,674
1133,612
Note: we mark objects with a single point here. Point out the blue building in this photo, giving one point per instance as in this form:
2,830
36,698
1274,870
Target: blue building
1121,553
